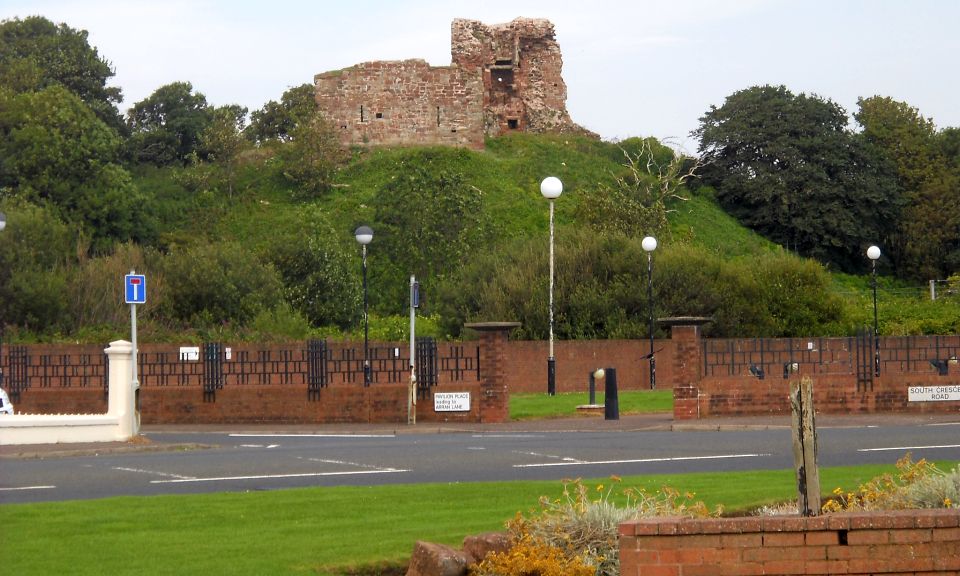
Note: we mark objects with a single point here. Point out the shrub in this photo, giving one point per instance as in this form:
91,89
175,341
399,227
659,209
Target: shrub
583,528
916,485
218,283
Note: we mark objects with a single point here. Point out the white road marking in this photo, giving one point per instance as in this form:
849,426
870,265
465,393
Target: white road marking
549,456
907,448
637,461
508,436
259,446
27,488
313,435
152,473
275,476
345,463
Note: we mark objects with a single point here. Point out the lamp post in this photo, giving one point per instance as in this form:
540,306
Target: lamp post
649,244
364,234
873,253
551,187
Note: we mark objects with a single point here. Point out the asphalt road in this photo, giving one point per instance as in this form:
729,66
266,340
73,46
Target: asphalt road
189,462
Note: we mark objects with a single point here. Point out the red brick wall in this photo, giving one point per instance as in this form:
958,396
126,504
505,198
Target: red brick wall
833,393
526,364
383,403
901,542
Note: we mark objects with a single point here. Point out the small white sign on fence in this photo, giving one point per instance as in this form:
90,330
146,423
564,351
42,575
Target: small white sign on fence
189,353
934,393
451,402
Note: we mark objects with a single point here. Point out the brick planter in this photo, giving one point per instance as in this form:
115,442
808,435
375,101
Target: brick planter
901,542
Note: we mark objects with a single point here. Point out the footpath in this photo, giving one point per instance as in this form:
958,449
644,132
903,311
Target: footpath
152,437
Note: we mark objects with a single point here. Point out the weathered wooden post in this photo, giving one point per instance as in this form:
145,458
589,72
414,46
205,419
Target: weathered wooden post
804,428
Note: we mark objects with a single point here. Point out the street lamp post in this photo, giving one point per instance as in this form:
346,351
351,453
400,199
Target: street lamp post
551,188
364,234
649,245
873,253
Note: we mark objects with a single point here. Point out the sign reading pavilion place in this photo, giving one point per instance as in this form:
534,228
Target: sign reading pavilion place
934,393
451,402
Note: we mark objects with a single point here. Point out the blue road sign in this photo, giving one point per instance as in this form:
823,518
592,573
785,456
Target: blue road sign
135,290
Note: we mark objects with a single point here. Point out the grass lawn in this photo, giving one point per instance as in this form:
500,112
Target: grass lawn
529,406
318,530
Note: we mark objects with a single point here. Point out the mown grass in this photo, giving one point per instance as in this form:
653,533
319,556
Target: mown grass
529,406
318,530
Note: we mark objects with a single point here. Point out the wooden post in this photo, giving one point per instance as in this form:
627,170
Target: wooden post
805,446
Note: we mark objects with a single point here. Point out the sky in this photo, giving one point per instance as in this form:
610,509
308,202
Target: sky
632,67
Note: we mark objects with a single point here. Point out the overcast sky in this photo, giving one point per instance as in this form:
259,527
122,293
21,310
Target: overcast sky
632,67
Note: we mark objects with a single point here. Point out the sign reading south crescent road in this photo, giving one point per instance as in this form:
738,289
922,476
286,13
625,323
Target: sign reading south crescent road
934,393
135,289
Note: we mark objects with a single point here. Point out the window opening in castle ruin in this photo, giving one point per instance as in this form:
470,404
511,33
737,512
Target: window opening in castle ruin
513,123
379,115
361,113
503,78
438,116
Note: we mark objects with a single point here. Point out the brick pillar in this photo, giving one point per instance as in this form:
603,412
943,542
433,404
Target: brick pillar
687,359
494,402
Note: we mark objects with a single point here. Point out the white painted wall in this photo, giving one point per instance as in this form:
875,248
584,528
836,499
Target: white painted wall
120,423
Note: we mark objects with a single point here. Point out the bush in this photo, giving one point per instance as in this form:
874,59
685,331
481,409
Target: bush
218,283
582,530
916,485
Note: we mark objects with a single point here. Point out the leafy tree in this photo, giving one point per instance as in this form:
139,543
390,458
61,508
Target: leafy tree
222,141
312,156
429,219
785,166
55,150
166,126
927,239
278,120
318,275
218,283
36,54
36,251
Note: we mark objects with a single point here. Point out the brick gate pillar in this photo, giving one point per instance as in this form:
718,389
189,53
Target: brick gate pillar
687,360
494,402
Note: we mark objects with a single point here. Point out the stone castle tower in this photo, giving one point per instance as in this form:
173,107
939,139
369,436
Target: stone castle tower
501,78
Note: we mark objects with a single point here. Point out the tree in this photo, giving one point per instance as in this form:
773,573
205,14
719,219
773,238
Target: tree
218,283
36,251
55,150
785,166
278,120
312,156
428,220
638,203
222,141
36,54
927,240
166,126
317,271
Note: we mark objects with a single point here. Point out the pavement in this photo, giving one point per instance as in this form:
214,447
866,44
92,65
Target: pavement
152,436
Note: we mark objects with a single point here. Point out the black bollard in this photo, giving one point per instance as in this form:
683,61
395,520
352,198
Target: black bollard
611,404
593,389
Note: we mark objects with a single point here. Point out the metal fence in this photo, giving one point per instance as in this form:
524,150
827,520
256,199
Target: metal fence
314,364
780,357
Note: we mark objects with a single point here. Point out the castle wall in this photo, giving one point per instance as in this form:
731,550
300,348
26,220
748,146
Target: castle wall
502,78
406,102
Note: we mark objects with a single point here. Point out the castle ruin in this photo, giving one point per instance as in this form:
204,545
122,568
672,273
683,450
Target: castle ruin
502,78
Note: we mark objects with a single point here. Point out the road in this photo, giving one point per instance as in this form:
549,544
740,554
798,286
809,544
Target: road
260,461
